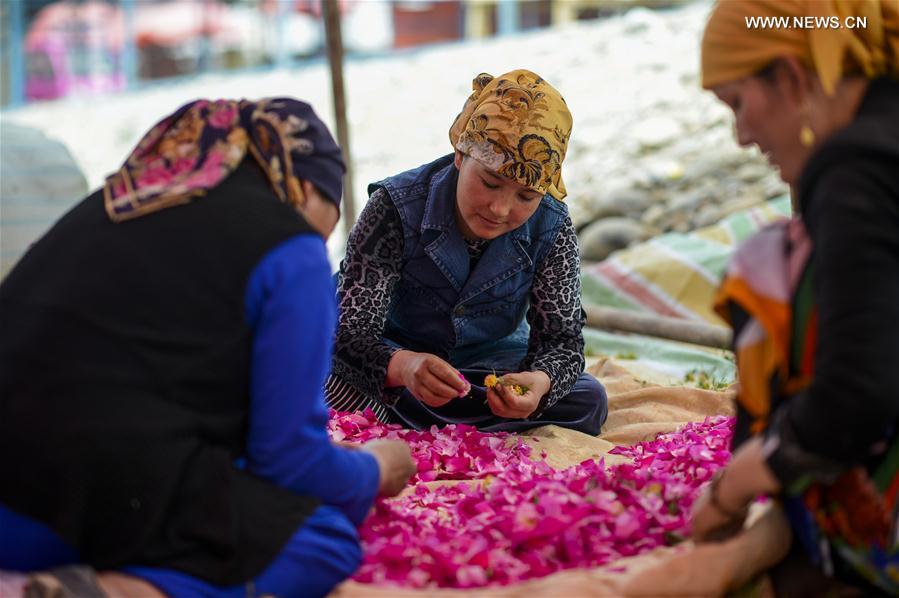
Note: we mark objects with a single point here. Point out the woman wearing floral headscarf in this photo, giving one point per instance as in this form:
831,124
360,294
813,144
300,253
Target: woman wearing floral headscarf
814,302
467,267
163,351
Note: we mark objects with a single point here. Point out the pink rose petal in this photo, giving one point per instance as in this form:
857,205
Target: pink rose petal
524,519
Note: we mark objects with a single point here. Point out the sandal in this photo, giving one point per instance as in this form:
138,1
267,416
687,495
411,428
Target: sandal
72,581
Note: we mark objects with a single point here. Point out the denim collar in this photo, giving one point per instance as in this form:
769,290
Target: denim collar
504,255
440,207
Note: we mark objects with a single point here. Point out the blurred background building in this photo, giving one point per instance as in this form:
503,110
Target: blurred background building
652,167
58,48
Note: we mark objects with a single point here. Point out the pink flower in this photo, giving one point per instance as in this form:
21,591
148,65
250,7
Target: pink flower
626,525
524,519
211,172
222,114
155,173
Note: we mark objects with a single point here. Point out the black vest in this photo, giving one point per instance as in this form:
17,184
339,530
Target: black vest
124,384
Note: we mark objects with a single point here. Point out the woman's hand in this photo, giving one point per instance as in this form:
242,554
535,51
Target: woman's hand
721,510
395,464
430,379
505,402
712,519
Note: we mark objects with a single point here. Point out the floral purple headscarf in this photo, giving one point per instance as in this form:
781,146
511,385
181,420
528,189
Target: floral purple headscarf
193,150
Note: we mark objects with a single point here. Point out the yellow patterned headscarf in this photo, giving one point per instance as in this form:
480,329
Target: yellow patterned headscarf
736,45
518,125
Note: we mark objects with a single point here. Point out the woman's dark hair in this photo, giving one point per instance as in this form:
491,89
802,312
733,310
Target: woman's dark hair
767,72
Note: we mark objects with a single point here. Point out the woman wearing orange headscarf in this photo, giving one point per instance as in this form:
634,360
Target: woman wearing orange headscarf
814,301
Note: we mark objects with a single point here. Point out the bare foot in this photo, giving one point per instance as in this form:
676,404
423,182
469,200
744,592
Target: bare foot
119,585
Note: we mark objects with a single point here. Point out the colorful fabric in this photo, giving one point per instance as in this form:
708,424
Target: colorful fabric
194,149
762,278
733,48
676,274
855,519
518,125
770,282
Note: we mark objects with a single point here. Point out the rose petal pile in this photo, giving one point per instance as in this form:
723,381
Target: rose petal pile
455,452
524,519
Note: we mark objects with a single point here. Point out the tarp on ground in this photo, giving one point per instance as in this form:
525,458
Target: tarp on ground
39,181
676,274
641,406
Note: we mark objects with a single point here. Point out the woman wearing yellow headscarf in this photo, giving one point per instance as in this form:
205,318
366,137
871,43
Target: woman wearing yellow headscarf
467,268
814,301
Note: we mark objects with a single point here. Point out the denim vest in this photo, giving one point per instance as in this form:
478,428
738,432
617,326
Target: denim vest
438,306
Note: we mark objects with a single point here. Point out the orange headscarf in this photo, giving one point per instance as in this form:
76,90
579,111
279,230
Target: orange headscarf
736,45
518,125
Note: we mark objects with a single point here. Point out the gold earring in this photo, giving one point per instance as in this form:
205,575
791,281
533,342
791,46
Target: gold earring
806,136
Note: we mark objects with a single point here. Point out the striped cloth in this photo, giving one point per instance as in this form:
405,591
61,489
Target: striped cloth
676,274
343,397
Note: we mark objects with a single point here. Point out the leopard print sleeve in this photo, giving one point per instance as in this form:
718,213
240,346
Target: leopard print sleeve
368,275
556,345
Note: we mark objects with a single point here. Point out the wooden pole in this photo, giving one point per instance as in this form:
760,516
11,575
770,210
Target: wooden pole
334,40
686,331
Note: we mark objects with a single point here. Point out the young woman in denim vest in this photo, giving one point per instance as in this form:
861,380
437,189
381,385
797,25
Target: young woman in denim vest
468,266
